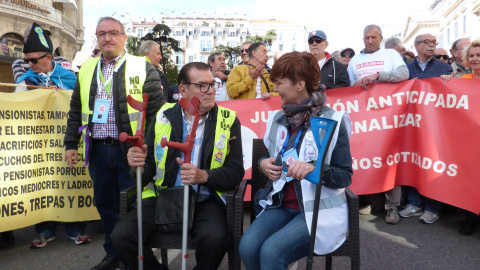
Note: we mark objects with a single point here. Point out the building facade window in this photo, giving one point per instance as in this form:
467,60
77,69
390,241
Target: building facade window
178,33
280,36
190,58
179,59
455,30
203,46
190,44
202,59
280,47
209,46
293,36
294,47
205,34
140,33
464,23
129,30
448,35
232,44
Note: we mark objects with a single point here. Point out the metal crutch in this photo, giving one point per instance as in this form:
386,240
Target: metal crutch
186,148
137,140
323,144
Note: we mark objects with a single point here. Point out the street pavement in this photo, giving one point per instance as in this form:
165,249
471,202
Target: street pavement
407,245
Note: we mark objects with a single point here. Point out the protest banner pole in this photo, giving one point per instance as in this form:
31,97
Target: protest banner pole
27,85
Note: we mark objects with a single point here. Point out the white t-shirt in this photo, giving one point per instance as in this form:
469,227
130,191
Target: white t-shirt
258,88
221,90
364,64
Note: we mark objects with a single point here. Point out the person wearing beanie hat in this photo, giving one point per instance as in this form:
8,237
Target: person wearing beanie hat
334,73
20,67
44,72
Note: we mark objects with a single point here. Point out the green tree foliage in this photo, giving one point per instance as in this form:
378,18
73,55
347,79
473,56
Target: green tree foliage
168,45
229,52
268,39
132,45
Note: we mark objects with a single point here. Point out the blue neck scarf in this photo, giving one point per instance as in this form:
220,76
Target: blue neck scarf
61,77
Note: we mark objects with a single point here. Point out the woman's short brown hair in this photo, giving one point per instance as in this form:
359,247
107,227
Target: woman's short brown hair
298,66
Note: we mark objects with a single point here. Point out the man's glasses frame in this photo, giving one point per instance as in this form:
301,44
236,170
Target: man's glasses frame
428,42
112,34
316,40
204,87
34,60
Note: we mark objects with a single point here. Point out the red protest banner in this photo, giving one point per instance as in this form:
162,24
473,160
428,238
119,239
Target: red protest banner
420,133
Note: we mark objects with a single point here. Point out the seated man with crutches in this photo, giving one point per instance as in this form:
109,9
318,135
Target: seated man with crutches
216,166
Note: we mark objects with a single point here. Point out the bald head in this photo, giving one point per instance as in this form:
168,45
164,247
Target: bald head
441,54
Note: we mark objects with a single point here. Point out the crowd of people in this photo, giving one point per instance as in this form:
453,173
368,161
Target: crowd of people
280,234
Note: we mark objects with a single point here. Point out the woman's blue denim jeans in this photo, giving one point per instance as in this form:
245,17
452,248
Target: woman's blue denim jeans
275,239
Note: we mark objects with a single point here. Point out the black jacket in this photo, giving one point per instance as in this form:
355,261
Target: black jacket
151,87
165,86
334,74
224,178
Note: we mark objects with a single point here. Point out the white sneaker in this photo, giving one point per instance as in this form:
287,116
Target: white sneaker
411,211
429,217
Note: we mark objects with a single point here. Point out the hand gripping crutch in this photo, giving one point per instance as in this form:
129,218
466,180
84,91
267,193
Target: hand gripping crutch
186,147
137,140
316,176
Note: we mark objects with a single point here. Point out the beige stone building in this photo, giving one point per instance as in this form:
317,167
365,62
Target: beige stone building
447,20
63,18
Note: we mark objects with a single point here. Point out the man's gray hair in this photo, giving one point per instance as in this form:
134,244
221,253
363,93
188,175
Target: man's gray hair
373,26
390,43
146,46
102,19
247,42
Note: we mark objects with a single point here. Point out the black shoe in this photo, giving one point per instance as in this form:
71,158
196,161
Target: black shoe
468,227
7,239
108,263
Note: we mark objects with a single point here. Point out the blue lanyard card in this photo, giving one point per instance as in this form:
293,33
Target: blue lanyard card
288,158
100,112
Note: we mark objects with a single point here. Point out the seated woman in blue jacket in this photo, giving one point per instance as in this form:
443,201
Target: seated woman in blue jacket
280,234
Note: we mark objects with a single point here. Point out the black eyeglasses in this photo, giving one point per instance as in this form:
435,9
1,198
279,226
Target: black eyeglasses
203,87
347,54
316,40
113,34
441,56
244,50
428,42
34,60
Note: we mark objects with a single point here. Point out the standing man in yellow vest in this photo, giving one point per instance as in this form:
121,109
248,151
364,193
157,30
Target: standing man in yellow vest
215,168
100,110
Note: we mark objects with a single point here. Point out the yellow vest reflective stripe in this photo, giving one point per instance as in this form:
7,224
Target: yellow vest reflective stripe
135,76
225,119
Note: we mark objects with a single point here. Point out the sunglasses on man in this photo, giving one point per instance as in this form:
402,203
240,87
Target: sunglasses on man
34,60
441,56
347,54
316,40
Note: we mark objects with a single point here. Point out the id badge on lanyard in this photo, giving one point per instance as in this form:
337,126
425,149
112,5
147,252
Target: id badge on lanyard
102,106
290,156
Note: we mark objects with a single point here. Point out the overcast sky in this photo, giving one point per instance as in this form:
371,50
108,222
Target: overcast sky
343,21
